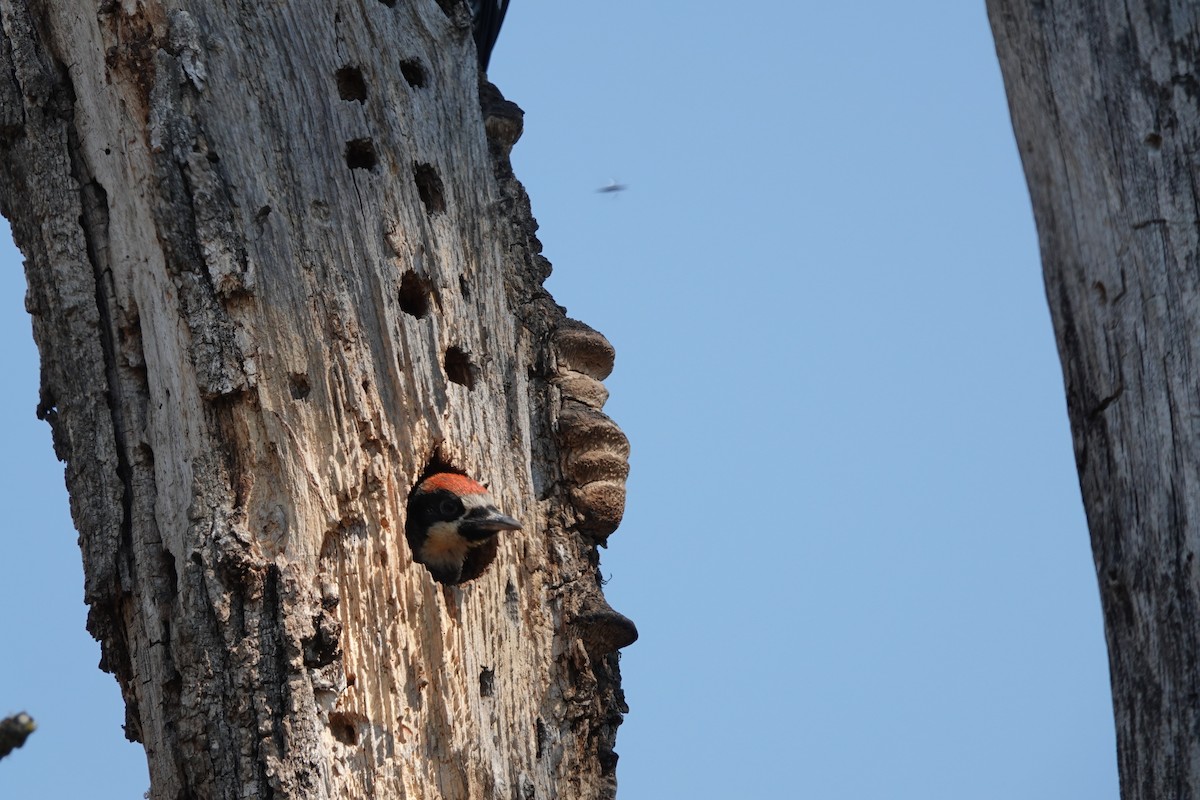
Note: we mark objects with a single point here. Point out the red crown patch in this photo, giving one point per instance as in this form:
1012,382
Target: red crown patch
451,482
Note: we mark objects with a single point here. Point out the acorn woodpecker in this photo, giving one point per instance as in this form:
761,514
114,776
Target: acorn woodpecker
487,16
452,525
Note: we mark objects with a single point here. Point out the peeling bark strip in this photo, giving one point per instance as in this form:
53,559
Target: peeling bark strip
1105,101
276,272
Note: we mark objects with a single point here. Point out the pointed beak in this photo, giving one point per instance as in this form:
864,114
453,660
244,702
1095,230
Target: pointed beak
492,523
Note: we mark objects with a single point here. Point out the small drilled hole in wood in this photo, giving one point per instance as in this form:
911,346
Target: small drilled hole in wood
429,186
389,3
351,85
414,73
298,385
459,368
343,727
487,682
145,458
512,602
414,295
360,154
1154,140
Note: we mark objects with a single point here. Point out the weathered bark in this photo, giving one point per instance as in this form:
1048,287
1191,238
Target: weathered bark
276,272
1104,96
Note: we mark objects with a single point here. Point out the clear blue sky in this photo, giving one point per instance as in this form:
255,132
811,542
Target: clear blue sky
854,544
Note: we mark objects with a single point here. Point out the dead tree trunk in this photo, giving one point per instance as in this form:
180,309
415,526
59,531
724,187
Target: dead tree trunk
1104,97
277,272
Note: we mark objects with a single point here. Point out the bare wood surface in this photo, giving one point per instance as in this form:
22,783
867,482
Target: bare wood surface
1104,96
277,272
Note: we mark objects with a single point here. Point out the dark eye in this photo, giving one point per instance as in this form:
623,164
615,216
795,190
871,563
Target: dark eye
449,507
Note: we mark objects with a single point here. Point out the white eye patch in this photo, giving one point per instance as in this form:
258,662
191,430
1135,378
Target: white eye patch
471,501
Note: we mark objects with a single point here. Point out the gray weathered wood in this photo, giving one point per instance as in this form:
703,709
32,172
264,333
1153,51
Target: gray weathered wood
1104,96
276,271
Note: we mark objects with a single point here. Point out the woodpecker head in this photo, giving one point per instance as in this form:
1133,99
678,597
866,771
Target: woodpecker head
452,525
